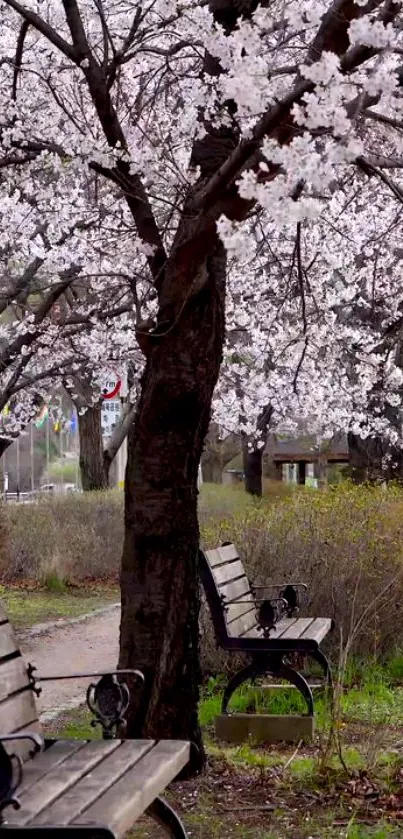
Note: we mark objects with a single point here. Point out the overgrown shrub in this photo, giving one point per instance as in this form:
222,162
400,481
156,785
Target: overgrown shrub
345,542
71,537
4,538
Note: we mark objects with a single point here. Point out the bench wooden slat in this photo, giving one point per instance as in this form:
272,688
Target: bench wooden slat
238,589
127,799
228,552
218,556
230,571
61,778
318,630
297,628
252,632
213,557
17,711
234,612
244,610
238,610
244,623
36,770
13,676
8,643
280,627
83,794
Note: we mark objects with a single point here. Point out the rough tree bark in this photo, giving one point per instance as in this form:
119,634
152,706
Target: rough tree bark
118,435
95,460
93,467
212,469
253,455
5,442
217,453
374,460
252,467
159,579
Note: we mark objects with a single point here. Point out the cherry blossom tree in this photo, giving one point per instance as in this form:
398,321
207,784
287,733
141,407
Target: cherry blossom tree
57,323
196,114
315,343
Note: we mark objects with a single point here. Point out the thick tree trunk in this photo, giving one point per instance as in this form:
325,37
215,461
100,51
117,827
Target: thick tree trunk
4,444
301,472
253,454
374,460
94,467
217,453
252,467
159,579
211,469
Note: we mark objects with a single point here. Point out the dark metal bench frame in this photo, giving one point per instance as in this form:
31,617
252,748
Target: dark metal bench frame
108,700
269,656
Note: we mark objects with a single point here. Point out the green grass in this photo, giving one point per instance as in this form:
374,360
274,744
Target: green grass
372,694
74,725
26,607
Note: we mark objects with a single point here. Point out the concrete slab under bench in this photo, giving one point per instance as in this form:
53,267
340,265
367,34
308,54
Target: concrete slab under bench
264,728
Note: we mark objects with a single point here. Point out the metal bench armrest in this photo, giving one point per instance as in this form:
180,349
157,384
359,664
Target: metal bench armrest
31,669
108,699
36,739
280,585
11,769
253,603
291,592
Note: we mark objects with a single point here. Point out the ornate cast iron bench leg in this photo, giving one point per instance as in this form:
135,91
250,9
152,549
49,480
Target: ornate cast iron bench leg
11,770
275,666
248,672
321,659
285,671
162,813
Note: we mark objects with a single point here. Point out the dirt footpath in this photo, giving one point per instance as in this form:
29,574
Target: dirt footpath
60,648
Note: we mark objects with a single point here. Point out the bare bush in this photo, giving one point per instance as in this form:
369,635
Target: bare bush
73,537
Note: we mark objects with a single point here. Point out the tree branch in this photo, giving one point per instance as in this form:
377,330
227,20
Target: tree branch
276,122
44,28
131,185
119,433
369,169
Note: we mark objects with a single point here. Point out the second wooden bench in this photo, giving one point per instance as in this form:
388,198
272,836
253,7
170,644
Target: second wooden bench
269,632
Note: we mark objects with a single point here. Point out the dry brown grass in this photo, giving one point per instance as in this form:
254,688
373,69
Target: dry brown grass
346,543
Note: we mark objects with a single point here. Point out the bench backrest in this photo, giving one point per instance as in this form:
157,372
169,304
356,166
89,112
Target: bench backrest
18,712
225,582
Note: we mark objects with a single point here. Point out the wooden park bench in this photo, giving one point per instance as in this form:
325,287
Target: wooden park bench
270,633
95,789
